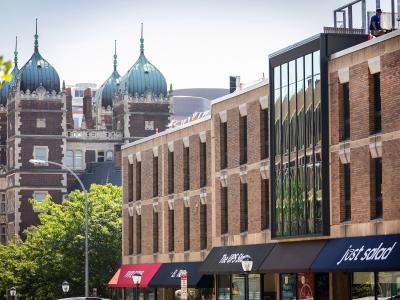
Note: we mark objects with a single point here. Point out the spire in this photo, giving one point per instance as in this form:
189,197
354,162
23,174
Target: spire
141,41
16,53
115,55
36,39
63,85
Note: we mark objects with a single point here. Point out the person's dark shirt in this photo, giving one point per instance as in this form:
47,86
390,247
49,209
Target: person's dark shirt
377,20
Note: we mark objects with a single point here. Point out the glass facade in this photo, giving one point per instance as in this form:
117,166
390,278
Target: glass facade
297,150
382,285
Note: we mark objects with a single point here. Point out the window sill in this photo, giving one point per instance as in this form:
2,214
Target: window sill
376,220
244,233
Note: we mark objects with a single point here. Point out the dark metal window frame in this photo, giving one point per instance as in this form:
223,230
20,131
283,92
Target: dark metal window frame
223,145
155,176
186,228
138,180
347,192
224,210
377,180
243,139
171,175
171,230
265,204
186,168
377,109
244,208
130,182
264,144
203,226
346,110
130,233
203,164
155,232
138,234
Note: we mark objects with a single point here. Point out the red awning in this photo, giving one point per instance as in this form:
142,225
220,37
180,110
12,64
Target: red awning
123,277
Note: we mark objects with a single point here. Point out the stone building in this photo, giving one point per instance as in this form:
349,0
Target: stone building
298,173
36,116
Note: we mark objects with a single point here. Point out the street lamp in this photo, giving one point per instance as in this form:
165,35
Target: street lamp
13,292
65,287
247,265
136,277
40,162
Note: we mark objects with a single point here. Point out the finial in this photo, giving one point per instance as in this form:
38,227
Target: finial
36,39
63,85
16,52
141,40
115,55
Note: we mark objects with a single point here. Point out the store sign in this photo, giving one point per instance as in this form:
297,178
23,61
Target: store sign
177,273
232,258
130,273
380,253
183,285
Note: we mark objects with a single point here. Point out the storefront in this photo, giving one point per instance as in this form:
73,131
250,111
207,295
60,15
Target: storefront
225,263
292,261
362,267
168,278
122,280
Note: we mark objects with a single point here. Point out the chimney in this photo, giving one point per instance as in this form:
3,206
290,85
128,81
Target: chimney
87,108
234,83
70,119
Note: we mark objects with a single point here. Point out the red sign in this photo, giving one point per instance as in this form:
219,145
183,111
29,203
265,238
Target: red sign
183,285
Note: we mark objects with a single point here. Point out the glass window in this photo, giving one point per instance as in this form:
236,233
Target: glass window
238,287
292,71
41,153
316,62
284,70
363,286
277,77
288,286
269,286
39,196
308,65
69,159
100,156
78,159
322,286
3,203
388,285
254,287
305,285
300,68
277,122
109,155
223,287
11,151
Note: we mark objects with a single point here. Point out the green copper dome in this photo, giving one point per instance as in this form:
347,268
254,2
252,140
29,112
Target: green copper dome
7,86
38,72
104,94
143,77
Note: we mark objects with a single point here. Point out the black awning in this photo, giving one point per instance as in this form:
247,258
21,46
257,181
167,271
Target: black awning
169,276
228,259
359,254
292,257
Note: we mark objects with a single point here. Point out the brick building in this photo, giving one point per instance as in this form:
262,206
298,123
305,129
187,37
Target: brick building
300,176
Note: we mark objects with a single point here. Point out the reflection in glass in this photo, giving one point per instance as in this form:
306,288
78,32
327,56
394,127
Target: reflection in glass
292,71
363,286
254,287
277,77
277,126
388,284
317,108
292,112
284,78
237,289
316,62
223,287
285,119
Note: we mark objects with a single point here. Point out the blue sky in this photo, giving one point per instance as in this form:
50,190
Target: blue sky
193,43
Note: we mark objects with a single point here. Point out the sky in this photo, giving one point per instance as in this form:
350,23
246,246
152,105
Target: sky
193,43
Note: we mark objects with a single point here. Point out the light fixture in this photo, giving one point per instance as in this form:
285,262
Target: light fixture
13,291
247,264
137,277
65,286
37,162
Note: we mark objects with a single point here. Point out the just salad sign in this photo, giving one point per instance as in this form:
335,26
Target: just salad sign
368,254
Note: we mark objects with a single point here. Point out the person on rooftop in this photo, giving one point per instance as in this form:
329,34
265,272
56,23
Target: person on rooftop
375,25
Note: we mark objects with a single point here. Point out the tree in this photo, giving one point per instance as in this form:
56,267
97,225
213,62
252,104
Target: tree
54,250
5,67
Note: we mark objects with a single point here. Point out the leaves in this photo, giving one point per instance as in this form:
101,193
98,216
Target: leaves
5,67
54,250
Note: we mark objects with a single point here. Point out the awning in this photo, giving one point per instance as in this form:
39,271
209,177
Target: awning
169,276
364,254
292,257
228,259
123,277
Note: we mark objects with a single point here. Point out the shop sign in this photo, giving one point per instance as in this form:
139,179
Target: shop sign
232,258
177,273
380,253
130,273
183,285
305,286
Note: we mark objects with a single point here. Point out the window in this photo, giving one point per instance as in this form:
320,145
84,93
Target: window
243,139
346,111
69,159
224,145
155,176
170,172
264,133
186,228
11,151
148,125
3,208
40,152
138,180
3,234
39,196
155,232
138,234
264,204
109,155
171,230
377,181
130,182
186,169
100,156
377,120
243,208
40,123
224,210
78,159
203,164
203,226
130,235
347,192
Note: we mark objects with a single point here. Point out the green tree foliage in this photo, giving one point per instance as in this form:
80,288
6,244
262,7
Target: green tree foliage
5,67
54,250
